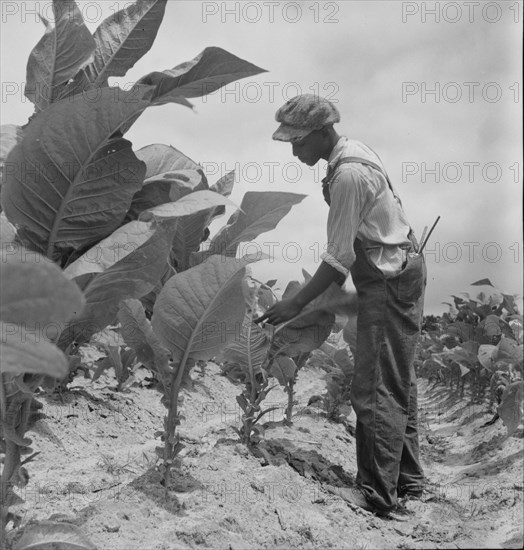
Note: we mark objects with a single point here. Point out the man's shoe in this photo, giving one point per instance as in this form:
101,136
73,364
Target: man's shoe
353,496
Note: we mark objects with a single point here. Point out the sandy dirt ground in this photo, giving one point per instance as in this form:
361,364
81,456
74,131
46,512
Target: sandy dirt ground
97,470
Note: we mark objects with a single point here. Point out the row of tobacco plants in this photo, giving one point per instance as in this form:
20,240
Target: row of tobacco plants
98,235
478,346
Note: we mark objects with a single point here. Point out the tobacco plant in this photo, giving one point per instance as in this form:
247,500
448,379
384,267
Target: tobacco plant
117,221
36,299
478,341
262,352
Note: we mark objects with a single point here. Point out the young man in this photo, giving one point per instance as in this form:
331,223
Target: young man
370,238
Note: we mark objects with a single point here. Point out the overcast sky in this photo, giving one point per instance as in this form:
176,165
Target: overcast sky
429,85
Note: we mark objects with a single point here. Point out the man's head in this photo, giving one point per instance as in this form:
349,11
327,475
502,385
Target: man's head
306,121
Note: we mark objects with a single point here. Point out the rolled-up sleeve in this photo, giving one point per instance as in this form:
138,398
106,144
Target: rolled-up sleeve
351,198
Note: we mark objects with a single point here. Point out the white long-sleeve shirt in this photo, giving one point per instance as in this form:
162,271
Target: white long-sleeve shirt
363,206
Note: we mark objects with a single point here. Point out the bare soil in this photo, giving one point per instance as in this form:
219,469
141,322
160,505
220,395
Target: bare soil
97,470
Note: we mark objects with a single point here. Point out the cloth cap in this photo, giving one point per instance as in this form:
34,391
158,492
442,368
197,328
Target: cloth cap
302,115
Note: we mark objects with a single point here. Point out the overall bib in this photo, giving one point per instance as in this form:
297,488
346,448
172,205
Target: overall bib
384,386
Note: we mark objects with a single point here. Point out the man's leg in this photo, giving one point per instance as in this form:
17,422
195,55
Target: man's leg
382,388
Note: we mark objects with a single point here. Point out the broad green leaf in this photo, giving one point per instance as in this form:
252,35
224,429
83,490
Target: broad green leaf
10,135
225,184
66,47
308,330
509,303
485,355
490,327
462,330
160,159
170,175
283,369
190,233
510,409
259,212
132,277
47,535
206,73
249,346
138,335
123,38
187,205
72,177
21,354
109,251
34,292
508,350
200,310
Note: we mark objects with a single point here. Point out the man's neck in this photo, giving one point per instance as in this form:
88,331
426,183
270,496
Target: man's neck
333,140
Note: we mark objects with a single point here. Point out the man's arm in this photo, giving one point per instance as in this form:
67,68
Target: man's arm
287,309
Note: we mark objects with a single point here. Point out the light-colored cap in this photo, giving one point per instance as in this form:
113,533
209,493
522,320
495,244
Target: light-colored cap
302,115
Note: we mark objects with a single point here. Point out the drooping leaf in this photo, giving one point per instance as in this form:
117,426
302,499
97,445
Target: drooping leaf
66,47
510,409
509,303
111,250
206,73
200,310
225,184
259,212
21,354
187,205
47,535
485,355
124,38
283,368
482,282
138,335
308,330
170,175
72,177
160,159
132,277
35,293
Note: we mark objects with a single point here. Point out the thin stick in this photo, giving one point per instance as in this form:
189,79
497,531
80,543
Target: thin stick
429,235
423,234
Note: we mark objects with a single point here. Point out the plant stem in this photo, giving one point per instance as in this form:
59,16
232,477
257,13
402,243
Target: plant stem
290,388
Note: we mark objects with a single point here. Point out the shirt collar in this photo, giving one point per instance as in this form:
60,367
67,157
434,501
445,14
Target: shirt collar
337,152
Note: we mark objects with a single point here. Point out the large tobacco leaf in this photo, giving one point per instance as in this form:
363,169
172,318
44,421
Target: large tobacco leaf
66,47
200,310
111,250
259,212
133,276
308,330
206,73
36,300
123,38
70,180
169,176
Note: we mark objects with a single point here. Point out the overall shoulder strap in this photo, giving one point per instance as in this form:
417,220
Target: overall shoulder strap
359,160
